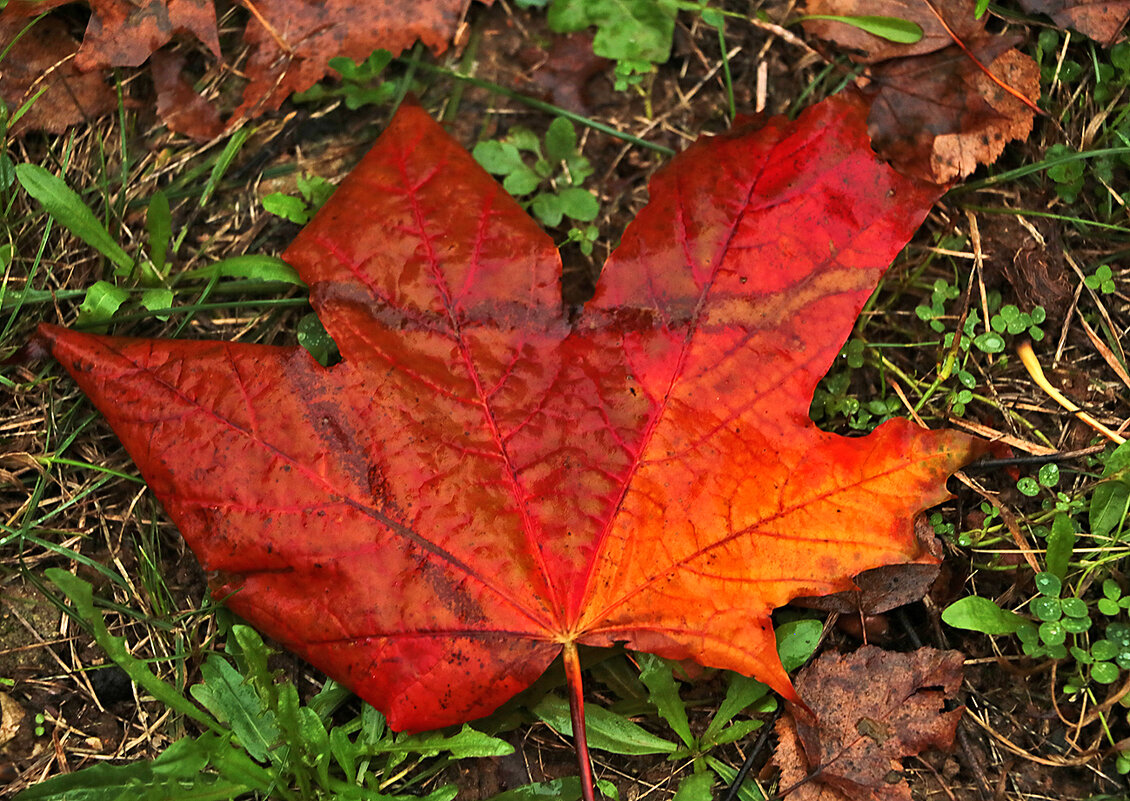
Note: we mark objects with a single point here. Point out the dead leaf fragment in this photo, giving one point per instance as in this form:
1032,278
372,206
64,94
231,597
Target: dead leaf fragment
938,117
874,707
178,104
882,589
122,33
43,58
11,713
292,41
1101,20
869,49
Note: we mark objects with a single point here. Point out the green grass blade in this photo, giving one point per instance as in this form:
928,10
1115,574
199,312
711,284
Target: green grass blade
66,208
893,29
81,595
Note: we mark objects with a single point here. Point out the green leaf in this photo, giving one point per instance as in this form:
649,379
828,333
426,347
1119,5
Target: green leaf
1061,545
797,641
288,207
747,792
157,299
738,731
253,267
227,695
627,30
606,730
466,743
560,140
315,190
497,158
663,693
159,224
522,181
312,336
742,692
579,204
893,29
67,209
975,613
547,208
567,789
695,787
101,303
523,138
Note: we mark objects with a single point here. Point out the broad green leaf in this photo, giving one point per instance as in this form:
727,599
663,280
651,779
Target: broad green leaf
157,299
67,209
579,204
1111,498
252,267
560,140
980,614
567,789
627,30
747,792
522,181
101,303
1061,544
232,700
663,692
606,730
893,29
288,207
797,641
738,731
498,158
312,335
742,692
695,787
548,209
466,743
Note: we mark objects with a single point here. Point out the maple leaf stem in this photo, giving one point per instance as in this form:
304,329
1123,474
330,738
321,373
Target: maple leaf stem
577,713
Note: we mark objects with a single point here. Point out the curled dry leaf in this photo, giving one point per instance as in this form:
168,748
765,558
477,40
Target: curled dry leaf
1101,20
939,116
484,481
936,114
873,707
291,43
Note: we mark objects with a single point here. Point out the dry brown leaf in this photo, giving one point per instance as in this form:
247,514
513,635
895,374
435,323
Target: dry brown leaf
122,33
178,104
884,588
292,41
1101,20
874,708
938,117
44,57
868,48
11,713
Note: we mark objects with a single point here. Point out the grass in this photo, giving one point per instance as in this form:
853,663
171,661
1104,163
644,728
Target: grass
1035,546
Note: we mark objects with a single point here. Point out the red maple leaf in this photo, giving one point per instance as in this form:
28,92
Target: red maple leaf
482,482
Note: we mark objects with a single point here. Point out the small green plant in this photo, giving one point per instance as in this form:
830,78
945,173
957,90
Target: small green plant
359,83
259,737
1101,280
550,187
313,192
615,733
